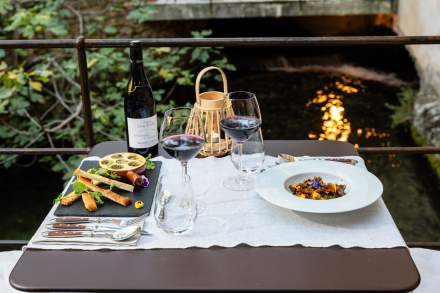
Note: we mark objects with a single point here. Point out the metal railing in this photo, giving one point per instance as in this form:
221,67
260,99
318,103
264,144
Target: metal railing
81,45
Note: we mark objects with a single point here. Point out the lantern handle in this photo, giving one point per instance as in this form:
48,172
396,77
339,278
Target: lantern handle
200,75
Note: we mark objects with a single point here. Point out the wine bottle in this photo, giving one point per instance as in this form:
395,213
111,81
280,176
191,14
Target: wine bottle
140,108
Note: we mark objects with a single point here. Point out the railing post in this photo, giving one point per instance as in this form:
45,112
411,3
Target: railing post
85,91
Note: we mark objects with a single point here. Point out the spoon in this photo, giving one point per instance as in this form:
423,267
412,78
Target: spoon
118,235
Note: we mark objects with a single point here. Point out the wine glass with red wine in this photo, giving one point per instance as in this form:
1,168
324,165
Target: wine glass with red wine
175,137
240,125
179,210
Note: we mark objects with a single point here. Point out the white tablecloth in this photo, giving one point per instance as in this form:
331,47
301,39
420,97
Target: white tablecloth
8,259
229,218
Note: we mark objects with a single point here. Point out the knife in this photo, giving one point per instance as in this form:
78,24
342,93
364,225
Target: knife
82,242
80,227
77,220
68,234
89,228
116,235
60,240
67,226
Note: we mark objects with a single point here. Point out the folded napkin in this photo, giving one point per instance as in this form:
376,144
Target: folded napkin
227,218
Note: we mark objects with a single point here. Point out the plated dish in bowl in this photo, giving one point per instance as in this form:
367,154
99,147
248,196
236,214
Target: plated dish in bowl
315,188
319,187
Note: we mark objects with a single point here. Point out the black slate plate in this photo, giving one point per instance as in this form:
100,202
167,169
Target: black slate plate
110,208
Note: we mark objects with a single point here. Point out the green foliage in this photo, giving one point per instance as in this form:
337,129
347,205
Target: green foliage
104,172
433,160
140,12
402,113
57,199
79,187
40,103
97,196
149,164
40,18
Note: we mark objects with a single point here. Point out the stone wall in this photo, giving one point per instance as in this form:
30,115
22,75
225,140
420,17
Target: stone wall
422,17
222,9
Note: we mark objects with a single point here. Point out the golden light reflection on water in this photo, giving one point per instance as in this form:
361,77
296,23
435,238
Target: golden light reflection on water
335,125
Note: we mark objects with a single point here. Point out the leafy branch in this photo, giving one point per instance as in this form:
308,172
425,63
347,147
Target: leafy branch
40,98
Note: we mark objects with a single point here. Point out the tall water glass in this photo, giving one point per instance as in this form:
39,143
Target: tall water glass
183,144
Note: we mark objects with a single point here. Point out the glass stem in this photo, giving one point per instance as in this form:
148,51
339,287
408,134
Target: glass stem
242,176
184,171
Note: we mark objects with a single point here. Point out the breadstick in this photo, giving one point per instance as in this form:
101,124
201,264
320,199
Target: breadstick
69,199
89,202
118,184
122,200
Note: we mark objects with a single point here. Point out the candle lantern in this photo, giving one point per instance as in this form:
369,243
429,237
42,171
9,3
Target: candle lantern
211,107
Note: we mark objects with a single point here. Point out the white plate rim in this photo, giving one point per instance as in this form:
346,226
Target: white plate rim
357,200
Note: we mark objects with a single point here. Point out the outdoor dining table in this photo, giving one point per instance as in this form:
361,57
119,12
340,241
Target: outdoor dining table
238,268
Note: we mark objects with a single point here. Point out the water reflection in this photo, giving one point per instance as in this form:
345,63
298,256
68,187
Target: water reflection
335,125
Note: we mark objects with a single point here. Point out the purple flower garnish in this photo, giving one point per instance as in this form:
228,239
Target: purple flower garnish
315,184
144,181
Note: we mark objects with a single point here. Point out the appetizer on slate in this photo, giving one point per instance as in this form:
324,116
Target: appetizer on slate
94,184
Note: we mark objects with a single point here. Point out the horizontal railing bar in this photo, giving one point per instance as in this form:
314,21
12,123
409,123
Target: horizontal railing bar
399,150
424,244
226,42
45,151
13,242
362,150
269,42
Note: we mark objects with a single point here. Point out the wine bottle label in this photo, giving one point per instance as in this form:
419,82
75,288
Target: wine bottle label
142,133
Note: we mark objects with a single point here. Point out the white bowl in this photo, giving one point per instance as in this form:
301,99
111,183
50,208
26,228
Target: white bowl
362,187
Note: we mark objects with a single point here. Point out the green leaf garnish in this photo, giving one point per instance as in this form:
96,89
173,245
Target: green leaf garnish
113,175
57,199
104,172
92,170
79,187
149,164
96,195
111,186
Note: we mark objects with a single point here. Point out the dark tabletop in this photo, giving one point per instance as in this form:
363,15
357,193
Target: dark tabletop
245,268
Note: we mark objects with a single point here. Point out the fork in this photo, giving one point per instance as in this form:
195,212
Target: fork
282,158
98,220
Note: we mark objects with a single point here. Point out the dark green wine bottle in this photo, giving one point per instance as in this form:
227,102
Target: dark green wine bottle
140,108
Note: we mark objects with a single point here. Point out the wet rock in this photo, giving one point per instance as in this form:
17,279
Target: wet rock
421,18
426,116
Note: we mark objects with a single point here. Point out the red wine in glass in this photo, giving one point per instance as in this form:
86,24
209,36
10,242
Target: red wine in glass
240,128
183,147
239,124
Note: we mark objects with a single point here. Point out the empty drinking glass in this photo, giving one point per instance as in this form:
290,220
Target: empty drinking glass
252,157
175,209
